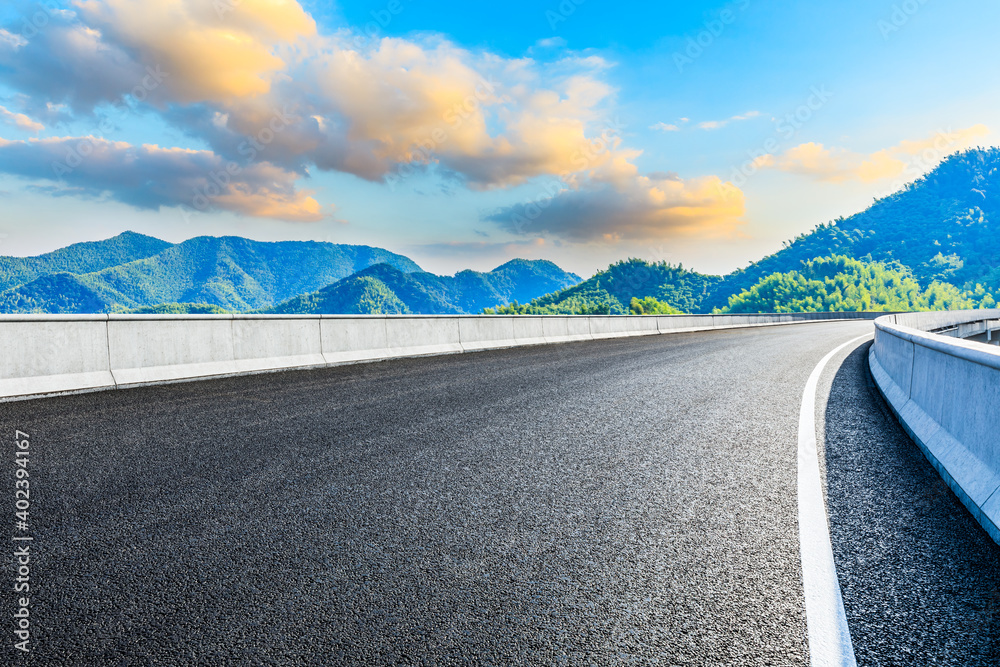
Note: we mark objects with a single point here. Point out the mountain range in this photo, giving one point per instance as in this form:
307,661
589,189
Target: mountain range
933,244
385,289
136,273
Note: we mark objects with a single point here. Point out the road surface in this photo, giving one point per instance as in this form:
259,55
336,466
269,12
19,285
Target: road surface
628,501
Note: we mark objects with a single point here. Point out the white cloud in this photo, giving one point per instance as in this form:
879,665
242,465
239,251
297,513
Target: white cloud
551,43
716,124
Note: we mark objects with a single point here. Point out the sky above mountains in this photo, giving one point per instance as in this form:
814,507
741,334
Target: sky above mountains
463,135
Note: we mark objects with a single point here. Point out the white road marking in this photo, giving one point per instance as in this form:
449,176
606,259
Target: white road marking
829,637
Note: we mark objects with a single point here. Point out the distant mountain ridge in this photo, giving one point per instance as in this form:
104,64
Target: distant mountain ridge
385,289
210,274
230,272
235,273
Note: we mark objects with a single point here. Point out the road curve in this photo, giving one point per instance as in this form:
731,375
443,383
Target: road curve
608,502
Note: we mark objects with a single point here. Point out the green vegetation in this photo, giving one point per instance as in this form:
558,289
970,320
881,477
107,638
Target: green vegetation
79,258
57,293
360,294
612,291
650,306
178,309
234,273
132,271
838,283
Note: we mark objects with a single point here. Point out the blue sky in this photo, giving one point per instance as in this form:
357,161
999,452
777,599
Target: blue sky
466,134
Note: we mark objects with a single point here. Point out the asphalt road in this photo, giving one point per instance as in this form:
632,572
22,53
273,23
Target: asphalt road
614,502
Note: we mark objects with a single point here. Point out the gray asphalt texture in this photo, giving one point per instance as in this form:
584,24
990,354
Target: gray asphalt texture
920,578
610,502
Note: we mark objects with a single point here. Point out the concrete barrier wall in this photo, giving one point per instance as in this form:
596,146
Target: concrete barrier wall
347,339
270,342
422,335
48,354
529,330
484,333
44,354
566,329
946,394
176,348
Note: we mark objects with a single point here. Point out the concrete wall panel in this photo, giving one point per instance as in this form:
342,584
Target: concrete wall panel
484,333
417,336
529,330
946,393
349,339
51,354
161,348
273,342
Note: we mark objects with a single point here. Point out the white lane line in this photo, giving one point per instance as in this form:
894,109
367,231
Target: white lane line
829,638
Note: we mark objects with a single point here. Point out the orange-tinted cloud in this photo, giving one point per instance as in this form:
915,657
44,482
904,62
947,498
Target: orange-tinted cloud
20,121
212,51
255,81
839,164
614,207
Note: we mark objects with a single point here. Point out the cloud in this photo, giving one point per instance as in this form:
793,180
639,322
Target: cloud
551,43
361,106
214,51
377,108
10,41
837,165
716,124
150,177
621,205
664,127
69,63
20,121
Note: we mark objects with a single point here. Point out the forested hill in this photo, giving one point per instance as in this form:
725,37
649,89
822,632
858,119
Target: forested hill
837,284
79,258
385,289
943,227
134,271
235,273
612,290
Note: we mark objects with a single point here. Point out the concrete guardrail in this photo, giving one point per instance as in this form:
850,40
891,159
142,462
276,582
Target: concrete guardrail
946,394
54,354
